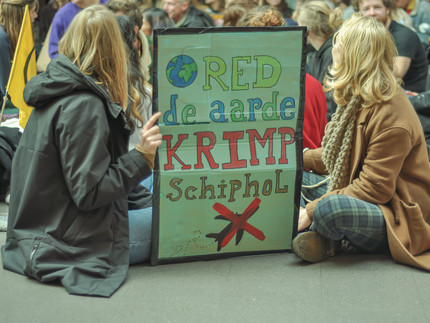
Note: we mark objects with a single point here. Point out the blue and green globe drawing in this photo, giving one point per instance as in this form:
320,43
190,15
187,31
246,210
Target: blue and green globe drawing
181,71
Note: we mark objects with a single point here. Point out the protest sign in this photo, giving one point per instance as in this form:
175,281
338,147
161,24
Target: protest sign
227,180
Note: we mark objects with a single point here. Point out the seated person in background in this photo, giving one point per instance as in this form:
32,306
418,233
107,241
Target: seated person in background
62,20
322,23
140,93
131,8
411,62
68,215
235,10
155,18
46,14
11,16
216,10
315,102
283,8
421,104
377,195
421,21
184,14
233,14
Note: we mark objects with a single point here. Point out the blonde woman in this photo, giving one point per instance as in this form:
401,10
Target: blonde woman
374,151
322,22
11,15
72,171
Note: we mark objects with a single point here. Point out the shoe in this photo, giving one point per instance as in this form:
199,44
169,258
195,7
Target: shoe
313,247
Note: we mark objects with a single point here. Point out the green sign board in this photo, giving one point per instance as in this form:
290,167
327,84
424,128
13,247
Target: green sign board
227,180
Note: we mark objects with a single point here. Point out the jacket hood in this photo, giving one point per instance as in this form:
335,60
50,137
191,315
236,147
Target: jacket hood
62,78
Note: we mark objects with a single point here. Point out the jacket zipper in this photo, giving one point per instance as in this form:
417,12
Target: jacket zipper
35,247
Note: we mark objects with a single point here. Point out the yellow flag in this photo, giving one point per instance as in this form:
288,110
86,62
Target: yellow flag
23,69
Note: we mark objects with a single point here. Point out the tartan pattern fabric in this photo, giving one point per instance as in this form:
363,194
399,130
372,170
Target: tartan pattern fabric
313,187
343,217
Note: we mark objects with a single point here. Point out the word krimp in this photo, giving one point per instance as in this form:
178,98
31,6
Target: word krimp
231,137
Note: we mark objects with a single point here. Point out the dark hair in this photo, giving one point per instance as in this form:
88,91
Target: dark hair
158,18
282,8
136,79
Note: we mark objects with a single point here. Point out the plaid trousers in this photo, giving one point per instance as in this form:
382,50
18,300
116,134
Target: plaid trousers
344,217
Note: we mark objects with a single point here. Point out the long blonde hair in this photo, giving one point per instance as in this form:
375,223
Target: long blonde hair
366,63
319,18
362,78
11,16
93,42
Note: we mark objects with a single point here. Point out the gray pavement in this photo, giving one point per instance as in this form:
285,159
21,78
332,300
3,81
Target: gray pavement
267,288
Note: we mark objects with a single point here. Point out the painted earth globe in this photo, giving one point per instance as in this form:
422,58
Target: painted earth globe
181,71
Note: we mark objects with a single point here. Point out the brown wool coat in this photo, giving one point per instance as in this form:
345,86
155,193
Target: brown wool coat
390,168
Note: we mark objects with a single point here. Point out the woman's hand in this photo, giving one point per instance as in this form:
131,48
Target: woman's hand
150,140
304,221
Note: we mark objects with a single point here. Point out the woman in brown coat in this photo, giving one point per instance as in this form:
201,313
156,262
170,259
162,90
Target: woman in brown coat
377,192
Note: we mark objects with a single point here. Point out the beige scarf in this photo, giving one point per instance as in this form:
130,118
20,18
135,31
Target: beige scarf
337,143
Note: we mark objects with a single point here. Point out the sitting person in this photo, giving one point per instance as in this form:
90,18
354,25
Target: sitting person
322,23
186,15
131,8
421,104
62,20
154,18
315,102
411,63
377,195
68,219
11,15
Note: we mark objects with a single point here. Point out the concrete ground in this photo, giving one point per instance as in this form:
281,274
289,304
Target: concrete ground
268,288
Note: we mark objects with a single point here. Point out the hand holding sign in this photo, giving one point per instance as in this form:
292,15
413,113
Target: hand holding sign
150,140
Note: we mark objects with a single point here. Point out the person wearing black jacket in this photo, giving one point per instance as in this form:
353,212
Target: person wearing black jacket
72,171
421,104
322,23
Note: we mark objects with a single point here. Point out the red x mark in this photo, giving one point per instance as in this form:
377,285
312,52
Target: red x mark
239,222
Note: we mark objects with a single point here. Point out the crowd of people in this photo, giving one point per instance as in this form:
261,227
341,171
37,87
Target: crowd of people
89,147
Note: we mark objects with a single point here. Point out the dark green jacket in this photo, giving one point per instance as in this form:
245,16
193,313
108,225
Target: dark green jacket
71,175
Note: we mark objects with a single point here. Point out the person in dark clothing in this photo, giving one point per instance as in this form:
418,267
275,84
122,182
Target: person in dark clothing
11,16
185,15
322,22
46,15
72,170
421,104
411,61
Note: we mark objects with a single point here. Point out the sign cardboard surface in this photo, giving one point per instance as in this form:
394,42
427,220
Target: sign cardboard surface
227,180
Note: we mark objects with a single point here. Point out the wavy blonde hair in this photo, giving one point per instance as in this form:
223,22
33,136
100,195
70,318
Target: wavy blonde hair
11,16
319,18
362,78
93,43
366,63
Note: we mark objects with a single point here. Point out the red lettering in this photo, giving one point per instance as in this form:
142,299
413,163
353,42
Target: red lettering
171,152
232,137
284,143
206,150
268,135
